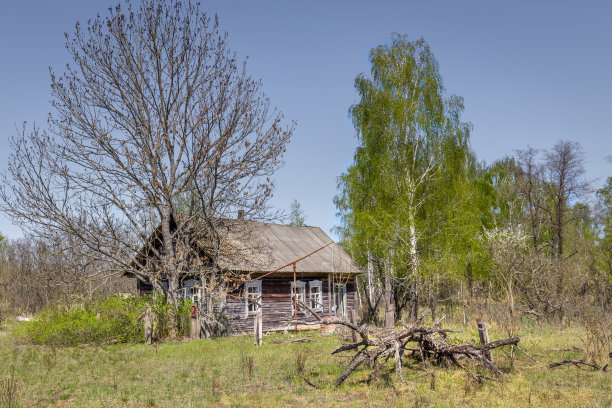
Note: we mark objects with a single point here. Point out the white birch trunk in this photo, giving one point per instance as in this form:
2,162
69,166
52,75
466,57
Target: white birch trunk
370,277
412,247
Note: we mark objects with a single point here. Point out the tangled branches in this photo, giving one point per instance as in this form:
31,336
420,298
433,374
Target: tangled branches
431,345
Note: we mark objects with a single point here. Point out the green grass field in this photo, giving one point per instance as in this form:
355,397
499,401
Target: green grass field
234,372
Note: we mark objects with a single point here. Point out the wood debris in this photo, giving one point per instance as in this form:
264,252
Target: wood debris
578,363
431,346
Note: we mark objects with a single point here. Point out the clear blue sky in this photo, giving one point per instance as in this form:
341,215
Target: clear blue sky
531,72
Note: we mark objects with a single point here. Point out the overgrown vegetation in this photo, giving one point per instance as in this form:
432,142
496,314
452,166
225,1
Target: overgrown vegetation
116,319
522,242
524,235
233,372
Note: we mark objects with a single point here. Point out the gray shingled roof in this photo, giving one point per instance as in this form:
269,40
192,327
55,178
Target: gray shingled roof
251,246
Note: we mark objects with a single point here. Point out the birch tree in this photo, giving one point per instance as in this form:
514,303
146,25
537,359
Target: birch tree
405,124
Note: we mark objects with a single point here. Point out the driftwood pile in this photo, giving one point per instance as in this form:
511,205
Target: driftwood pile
428,344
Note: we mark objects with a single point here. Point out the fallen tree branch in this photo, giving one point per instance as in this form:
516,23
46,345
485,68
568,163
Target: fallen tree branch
437,323
300,340
422,316
573,348
577,363
349,347
431,341
525,353
307,381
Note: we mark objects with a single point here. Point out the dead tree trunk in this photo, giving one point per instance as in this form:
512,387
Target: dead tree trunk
483,333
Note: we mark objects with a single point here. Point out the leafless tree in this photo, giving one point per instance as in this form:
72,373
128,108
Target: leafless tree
155,127
34,273
530,188
547,189
564,181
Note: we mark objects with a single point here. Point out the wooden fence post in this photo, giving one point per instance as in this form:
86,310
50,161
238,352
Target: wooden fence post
354,320
257,328
483,333
195,323
148,330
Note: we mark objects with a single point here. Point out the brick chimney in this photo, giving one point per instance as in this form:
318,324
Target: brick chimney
240,214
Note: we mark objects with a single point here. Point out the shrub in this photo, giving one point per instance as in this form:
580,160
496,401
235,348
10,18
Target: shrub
597,340
103,321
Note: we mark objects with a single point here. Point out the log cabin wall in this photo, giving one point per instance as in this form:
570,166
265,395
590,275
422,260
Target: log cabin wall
277,301
143,288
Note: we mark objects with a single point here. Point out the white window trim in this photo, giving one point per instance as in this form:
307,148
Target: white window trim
193,292
338,289
311,285
252,284
302,285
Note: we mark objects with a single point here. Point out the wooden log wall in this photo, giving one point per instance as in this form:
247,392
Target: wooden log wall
277,304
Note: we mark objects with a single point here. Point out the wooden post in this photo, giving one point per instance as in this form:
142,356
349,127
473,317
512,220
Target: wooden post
295,298
483,333
260,327
195,323
148,330
354,320
257,328
330,294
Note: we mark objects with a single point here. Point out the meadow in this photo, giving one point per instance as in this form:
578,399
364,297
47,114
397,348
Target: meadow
232,372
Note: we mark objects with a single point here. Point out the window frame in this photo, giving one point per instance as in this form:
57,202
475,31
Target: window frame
315,284
191,289
299,285
257,307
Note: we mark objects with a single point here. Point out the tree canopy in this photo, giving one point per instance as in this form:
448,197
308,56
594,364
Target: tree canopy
413,149
155,125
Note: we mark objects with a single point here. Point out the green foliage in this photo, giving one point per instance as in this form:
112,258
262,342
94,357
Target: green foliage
417,204
408,197
109,320
604,239
164,312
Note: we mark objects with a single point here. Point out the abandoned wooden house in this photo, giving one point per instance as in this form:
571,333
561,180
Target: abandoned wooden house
278,262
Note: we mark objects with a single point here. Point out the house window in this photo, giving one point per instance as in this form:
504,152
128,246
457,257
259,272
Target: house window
298,288
253,301
316,295
190,289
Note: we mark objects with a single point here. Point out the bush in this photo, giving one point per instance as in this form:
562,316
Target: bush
103,321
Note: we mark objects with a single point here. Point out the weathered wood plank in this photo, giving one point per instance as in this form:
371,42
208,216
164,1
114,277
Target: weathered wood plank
148,326
276,303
